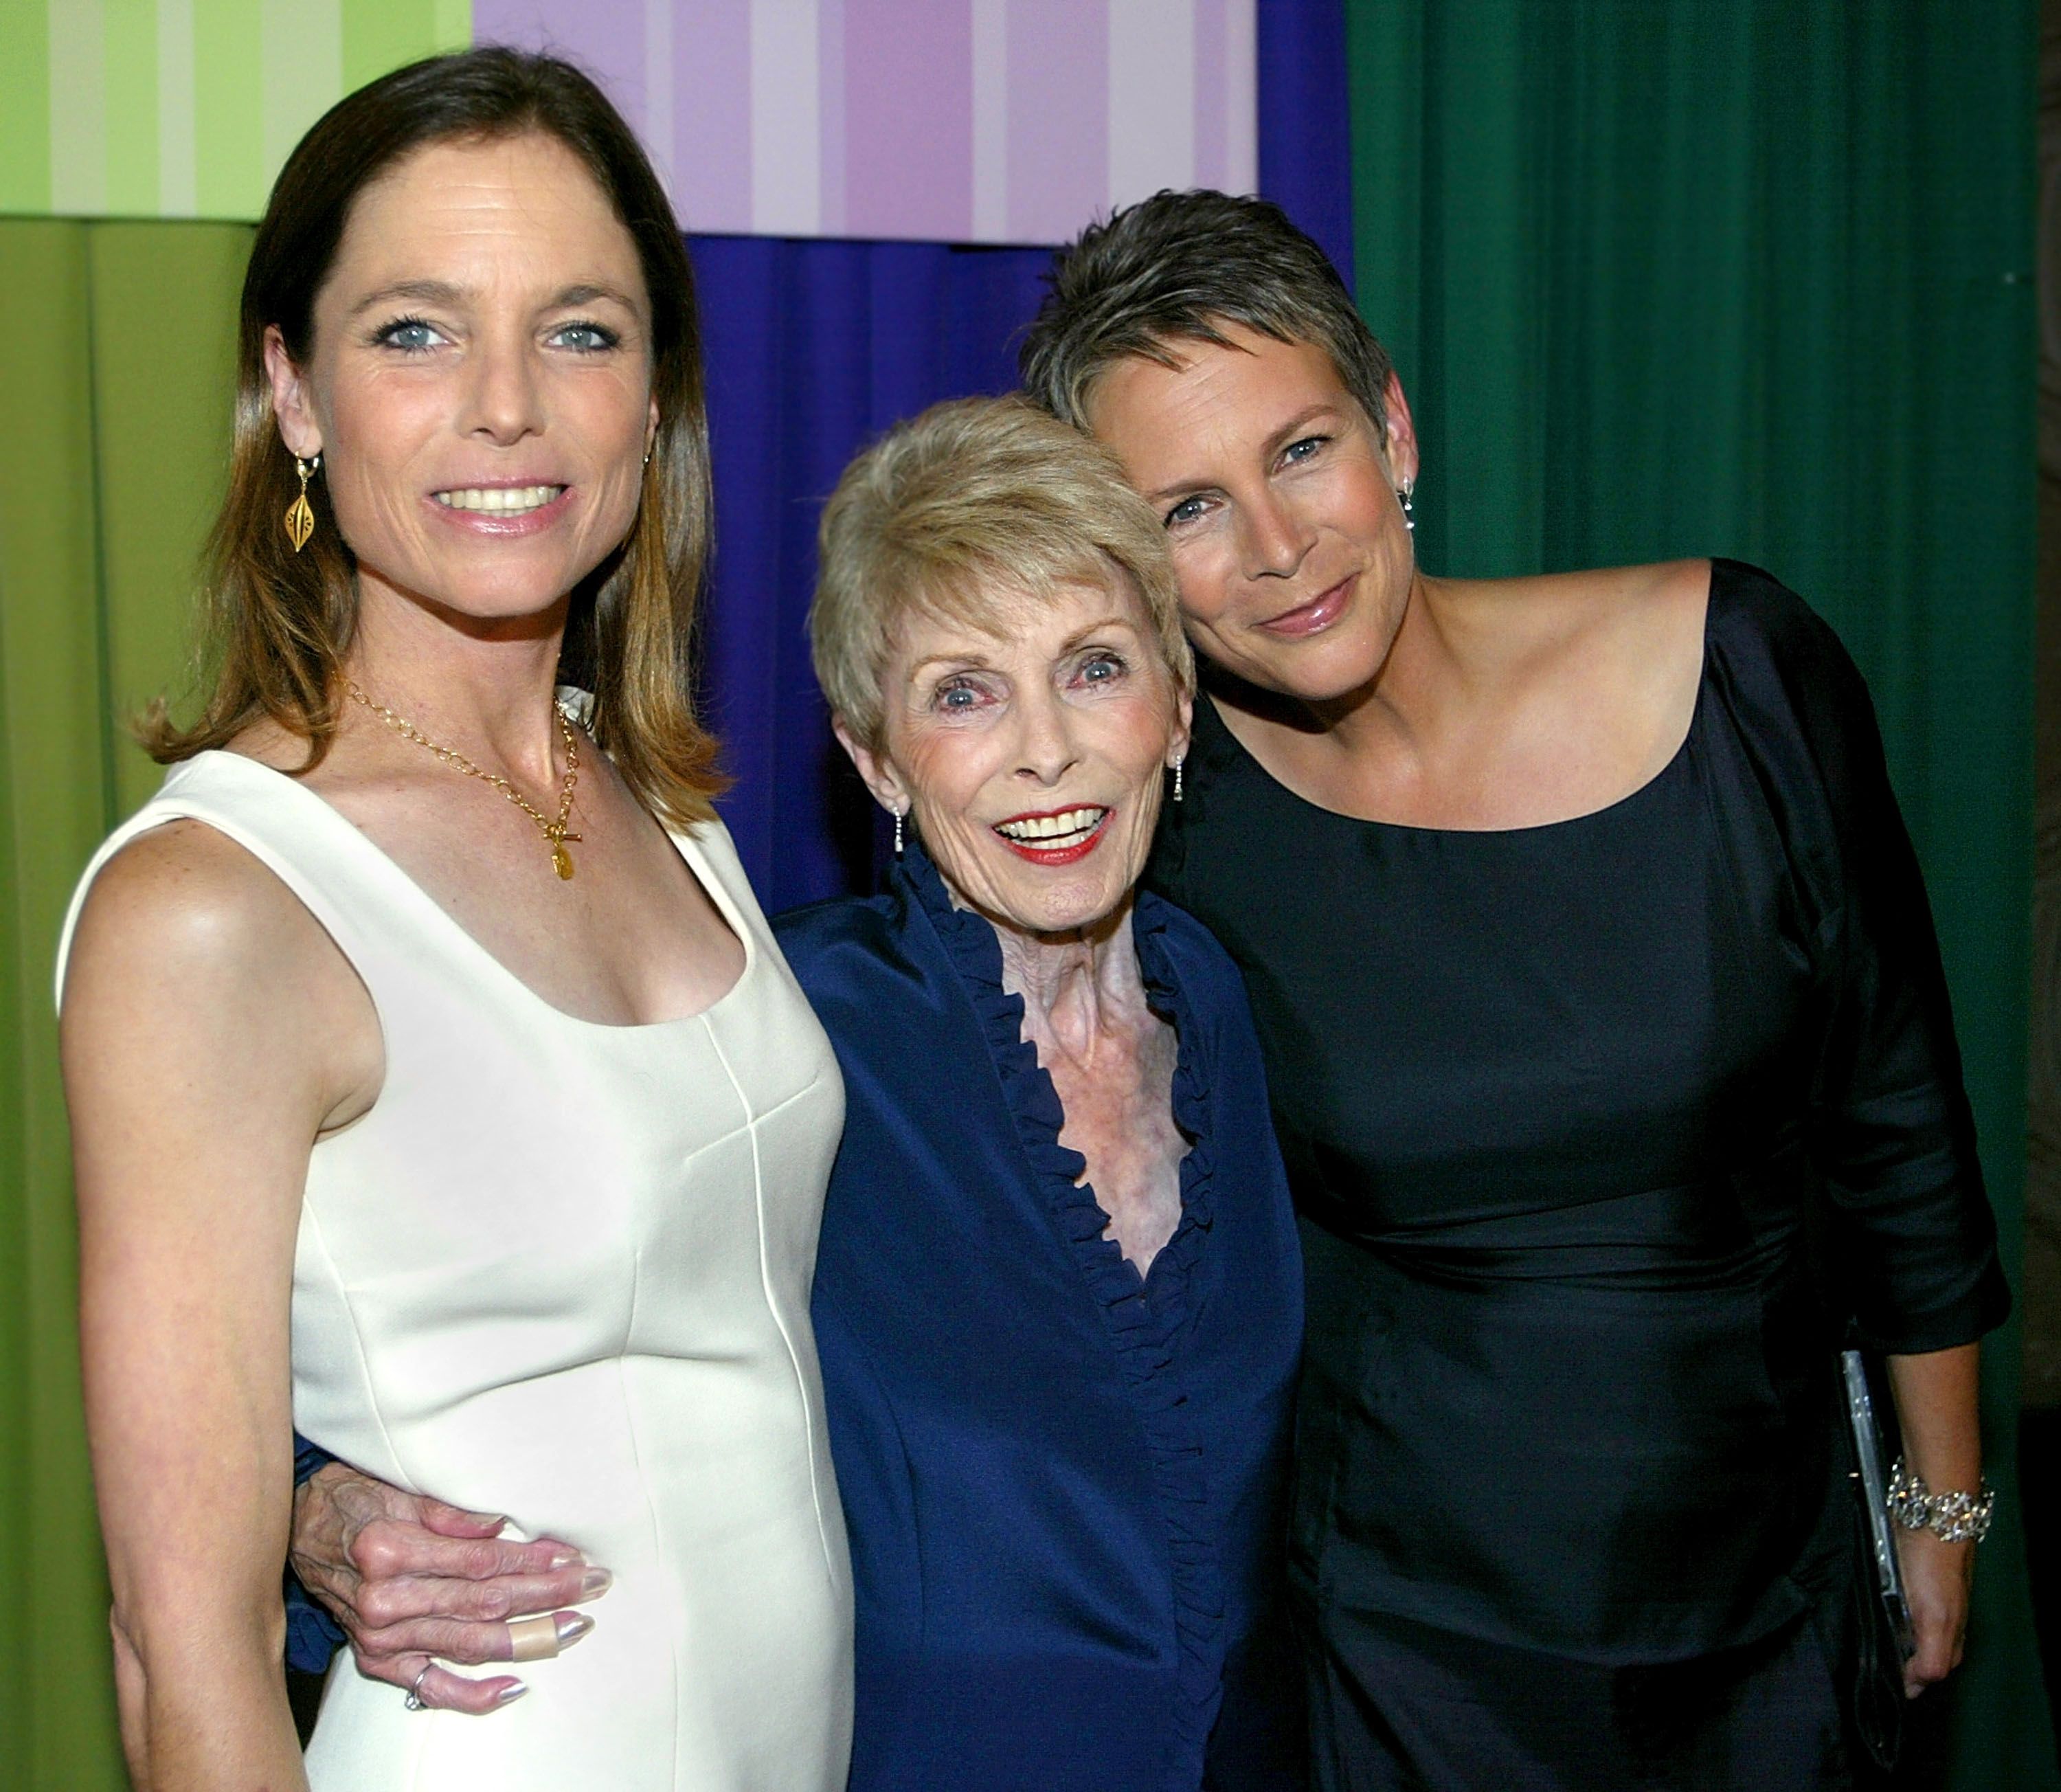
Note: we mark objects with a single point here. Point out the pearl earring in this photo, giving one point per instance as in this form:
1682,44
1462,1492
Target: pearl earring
1408,517
897,833
1177,764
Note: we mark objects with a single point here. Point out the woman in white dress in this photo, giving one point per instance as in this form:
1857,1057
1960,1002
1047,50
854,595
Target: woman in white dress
436,1084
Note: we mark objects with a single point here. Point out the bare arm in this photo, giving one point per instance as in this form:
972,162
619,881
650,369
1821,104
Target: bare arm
1936,1396
409,1577
200,1059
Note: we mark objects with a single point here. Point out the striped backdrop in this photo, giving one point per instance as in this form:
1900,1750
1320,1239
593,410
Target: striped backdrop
991,121
185,108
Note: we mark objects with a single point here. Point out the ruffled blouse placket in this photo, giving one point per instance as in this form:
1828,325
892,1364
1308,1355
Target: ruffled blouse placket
1147,1315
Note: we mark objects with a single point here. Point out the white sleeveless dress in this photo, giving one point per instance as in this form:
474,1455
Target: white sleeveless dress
562,1270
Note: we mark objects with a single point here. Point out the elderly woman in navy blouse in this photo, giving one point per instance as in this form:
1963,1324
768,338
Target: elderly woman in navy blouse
1058,1298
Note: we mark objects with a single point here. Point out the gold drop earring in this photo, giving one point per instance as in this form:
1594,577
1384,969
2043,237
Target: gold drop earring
300,514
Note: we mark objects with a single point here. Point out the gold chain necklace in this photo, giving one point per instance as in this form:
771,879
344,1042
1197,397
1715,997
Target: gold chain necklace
555,833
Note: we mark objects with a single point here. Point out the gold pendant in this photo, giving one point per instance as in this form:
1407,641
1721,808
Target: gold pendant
300,522
561,861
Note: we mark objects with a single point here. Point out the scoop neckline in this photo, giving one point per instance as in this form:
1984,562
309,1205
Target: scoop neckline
1677,759
690,855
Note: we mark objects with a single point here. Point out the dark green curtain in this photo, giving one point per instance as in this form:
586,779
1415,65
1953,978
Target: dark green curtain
1668,278
113,436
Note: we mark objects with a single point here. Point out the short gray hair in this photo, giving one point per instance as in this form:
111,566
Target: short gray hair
1177,268
956,513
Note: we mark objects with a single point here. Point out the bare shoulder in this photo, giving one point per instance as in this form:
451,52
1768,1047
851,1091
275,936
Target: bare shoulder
189,950
192,902
1664,601
1637,606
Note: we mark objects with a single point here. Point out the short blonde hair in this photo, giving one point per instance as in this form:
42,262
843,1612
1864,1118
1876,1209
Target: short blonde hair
959,514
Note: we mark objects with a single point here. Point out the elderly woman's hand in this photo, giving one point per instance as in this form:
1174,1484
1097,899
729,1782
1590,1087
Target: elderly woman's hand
410,1577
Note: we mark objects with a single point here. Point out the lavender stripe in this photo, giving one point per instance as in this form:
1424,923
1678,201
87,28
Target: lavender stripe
711,115
909,118
662,134
1058,118
833,106
990,94
1237,127
604,37
786,118
1211,77
890,143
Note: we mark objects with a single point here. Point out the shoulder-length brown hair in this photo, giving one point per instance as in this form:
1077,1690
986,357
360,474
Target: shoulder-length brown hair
276,624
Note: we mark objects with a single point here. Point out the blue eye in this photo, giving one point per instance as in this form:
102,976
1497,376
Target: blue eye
1304,449
953,697
1185,512
1104,668
588,338
410,335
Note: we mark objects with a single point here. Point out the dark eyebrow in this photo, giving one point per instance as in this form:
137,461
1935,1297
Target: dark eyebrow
1274,444
585,293
442,292
428,292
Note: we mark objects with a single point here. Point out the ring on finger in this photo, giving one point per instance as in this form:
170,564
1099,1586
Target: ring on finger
534,1639
413,1701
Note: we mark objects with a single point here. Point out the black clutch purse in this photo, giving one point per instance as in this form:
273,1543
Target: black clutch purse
1883,1641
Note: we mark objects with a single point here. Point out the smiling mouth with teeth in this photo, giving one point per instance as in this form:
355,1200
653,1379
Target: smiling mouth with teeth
499,501
1055,839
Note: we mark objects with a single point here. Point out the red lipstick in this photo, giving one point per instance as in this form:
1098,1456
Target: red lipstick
1057,849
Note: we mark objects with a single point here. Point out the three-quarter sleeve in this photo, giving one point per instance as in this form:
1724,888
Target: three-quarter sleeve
1910,1242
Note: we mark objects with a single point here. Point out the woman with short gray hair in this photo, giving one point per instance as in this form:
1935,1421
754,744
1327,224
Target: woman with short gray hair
1594,976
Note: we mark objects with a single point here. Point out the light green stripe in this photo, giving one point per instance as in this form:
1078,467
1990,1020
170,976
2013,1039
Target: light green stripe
303,72
78,119
230,177
131,88
186,107
382,35
176,194
25,108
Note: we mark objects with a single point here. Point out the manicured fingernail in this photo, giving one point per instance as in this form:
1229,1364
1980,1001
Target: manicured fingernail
595,1582
571,1626
509,1693
564,1558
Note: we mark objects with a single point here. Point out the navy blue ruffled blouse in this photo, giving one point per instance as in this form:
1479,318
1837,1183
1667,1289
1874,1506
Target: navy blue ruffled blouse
1064,1483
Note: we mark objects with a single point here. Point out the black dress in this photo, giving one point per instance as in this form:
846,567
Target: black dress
1600,1132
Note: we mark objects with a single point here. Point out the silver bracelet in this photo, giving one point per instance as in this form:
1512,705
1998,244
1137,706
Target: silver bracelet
1955,1518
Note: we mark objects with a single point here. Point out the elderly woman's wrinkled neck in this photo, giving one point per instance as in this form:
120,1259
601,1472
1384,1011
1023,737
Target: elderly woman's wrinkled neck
1111,1059
1083,991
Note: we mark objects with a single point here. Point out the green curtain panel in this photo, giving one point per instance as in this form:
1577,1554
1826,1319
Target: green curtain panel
1670,277
113,438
